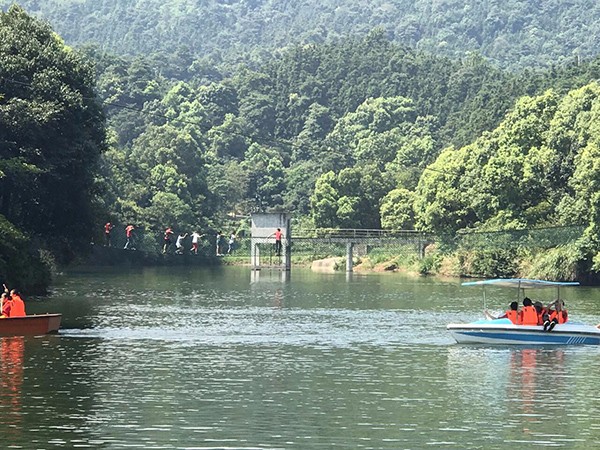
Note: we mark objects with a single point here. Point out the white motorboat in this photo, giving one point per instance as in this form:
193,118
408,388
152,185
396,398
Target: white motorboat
503,331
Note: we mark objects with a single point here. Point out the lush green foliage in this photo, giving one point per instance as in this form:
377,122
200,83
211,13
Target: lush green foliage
20,267
262,137
539,167
51,130
51,135
357,133
513,33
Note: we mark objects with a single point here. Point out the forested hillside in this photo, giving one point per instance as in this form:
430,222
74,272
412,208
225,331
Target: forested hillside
194,151
360,133
512,33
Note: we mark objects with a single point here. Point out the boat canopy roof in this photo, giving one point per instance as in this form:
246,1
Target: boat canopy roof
520,283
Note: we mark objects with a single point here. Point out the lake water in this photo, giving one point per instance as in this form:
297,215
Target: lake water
186,358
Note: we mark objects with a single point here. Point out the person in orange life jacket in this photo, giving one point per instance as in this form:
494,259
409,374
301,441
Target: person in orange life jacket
6,305
557,315
542,312
17,304
512,314
528,314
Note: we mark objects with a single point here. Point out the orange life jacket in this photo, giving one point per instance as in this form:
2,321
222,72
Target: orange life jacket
6,308
512,315
18,306
543,312
561,316
528,316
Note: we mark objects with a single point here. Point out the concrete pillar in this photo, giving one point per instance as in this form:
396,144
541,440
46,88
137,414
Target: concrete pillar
349,247
287,249
254,255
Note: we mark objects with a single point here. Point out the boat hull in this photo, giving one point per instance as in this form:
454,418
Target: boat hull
30,325
487,332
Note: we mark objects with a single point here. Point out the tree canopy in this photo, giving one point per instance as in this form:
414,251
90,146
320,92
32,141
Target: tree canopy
357,133
511,33
51,129
51,133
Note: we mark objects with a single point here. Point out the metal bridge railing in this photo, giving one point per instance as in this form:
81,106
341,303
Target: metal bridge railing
354,233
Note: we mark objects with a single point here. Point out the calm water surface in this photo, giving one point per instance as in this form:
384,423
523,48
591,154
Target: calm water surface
211,358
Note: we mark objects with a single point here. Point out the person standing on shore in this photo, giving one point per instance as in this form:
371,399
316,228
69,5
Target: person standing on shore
195,241
219,243
107,229
278,237
129,235
179,244
167,239
231,243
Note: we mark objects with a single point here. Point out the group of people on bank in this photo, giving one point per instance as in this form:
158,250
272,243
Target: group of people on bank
222,246
537,314
11,304
169,238
179,241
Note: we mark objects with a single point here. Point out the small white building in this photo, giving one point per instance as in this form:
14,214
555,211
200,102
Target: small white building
263,252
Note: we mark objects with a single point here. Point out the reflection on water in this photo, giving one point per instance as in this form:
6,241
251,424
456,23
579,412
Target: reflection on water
534,395
215,359
11,384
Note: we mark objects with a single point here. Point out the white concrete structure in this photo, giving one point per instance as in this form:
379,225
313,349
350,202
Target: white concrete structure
264,227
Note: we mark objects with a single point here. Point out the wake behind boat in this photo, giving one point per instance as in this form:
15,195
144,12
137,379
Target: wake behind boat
504,331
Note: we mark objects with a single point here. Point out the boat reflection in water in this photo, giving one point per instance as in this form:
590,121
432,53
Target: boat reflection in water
520,392
539,373
12,351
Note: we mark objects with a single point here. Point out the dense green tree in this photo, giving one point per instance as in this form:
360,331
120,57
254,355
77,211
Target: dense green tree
21,269
513,33
266,176
228,140
441,202
218,100
349,199
49,154
166,164
300,182
537,168
323,201
228,184
310,139
397,210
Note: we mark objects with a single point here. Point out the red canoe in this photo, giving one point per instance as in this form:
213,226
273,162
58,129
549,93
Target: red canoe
27,325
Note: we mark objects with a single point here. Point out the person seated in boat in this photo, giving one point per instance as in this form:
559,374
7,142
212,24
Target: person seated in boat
528,314
512,314
557,314
6,303
18,305
542,312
